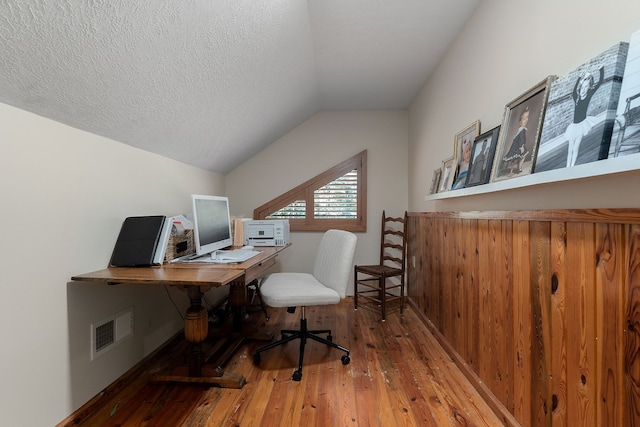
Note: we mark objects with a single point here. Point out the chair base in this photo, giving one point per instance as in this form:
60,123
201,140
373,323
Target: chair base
303,334
376,290
392,303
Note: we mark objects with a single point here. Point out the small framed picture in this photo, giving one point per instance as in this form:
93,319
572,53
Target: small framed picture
448,174
435,181
482,154
468,133
462,152
520,133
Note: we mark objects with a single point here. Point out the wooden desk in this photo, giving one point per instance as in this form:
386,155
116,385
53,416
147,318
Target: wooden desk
196,279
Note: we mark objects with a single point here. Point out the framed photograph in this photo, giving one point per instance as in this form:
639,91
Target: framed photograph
462,152
482,154
520,133
581,112
625,140
435,181
448,174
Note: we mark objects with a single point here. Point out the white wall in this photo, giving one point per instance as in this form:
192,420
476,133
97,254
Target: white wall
506,48
323,141
64,195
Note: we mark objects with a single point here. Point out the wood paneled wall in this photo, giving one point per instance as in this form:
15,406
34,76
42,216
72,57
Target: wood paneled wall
540,308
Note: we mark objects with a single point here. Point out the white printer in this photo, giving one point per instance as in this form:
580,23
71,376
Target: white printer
266,232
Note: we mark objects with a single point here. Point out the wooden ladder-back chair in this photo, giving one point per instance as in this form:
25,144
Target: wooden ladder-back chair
384,282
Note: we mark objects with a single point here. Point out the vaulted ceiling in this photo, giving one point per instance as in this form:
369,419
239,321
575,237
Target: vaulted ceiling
212,82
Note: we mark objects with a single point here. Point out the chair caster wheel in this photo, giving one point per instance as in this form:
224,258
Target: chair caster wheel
345,359
256,358
297,376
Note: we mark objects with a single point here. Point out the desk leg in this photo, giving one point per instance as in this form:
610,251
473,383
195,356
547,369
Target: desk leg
238,301
196,330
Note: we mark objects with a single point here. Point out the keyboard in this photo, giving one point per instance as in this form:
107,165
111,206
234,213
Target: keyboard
235,255
219,257
190,258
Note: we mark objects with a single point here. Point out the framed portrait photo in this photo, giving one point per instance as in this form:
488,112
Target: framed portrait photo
435,181
448,173
482,155
520,133
462,152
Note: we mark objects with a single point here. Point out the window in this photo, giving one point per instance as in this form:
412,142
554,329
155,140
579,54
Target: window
334,199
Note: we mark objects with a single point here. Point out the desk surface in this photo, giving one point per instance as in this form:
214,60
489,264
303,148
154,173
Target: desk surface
187,274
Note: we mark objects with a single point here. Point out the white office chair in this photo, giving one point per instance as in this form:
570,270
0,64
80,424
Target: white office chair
327,285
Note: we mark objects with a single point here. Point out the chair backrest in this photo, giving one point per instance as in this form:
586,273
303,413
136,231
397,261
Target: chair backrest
393,241
334,260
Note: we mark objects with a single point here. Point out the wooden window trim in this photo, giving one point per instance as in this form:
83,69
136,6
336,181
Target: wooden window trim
305,191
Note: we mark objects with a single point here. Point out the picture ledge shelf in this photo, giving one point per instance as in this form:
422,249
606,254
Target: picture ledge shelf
613,166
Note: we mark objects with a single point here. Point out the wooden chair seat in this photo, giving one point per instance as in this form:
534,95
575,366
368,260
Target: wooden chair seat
379,270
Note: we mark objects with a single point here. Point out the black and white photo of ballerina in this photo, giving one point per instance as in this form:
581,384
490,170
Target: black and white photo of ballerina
585,87
581,112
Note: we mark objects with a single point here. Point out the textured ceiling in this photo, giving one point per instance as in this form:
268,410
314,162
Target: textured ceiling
212,82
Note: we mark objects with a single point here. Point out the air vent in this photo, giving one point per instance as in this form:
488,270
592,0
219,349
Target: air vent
105,335
108,333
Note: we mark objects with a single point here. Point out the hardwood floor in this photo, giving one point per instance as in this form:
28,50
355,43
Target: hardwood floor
398,375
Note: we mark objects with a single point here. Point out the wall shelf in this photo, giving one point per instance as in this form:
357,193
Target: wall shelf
613,166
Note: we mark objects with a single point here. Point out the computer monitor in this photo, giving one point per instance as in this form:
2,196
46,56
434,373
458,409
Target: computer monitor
211,223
